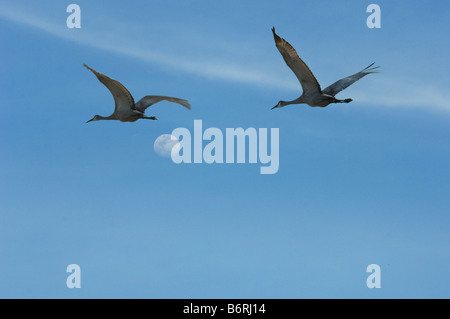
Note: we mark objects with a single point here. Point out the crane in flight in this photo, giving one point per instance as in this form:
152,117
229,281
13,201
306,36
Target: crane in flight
125,109
313,95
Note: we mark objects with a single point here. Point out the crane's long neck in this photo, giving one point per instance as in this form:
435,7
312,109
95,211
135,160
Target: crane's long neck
111,117
296,101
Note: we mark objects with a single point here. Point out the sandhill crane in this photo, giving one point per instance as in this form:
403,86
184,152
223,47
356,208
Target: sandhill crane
126,110
313,95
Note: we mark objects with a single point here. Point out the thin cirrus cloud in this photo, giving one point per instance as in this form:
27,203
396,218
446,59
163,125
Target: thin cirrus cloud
220,70
400,92
393,93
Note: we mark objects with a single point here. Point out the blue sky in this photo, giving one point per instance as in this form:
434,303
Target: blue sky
359,183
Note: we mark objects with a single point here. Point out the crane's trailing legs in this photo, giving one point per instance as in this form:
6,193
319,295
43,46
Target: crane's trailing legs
343,101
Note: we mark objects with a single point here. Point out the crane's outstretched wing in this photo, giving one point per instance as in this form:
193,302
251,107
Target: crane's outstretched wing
344,83
148,100
300,69
121,95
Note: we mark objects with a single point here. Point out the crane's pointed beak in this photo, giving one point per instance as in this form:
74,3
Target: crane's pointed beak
274,107
89,121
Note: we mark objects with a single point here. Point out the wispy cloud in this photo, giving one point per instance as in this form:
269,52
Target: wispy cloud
402,92
212,69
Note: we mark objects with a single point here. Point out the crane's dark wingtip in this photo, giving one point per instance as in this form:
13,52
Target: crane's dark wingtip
84,64
273,31
186,104
372,69
276,36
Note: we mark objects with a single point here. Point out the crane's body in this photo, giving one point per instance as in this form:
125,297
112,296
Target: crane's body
316,99
126,110
312,94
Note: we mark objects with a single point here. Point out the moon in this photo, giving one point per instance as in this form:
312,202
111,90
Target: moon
164,143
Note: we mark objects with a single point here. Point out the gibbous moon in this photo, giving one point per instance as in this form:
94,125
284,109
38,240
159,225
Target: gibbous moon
163,144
